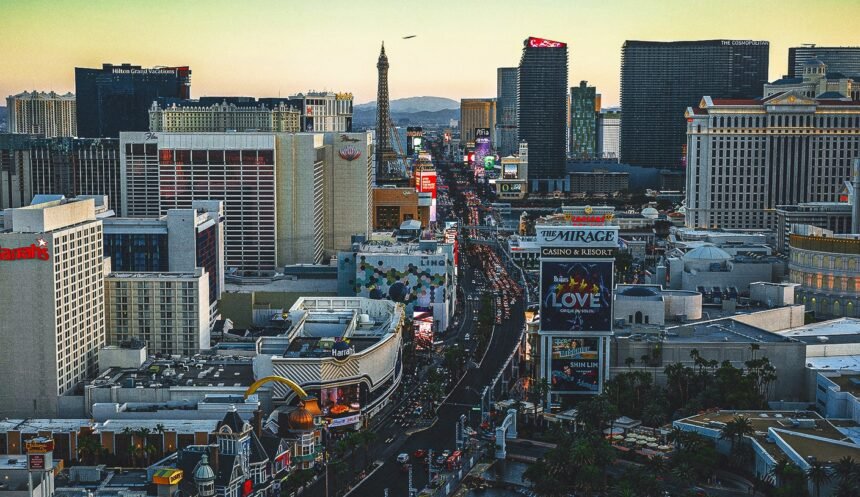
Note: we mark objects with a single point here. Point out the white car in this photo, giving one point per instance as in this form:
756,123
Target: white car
403,458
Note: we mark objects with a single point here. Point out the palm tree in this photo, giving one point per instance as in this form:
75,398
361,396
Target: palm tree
777,473
736,429
89,449
847,470
819,474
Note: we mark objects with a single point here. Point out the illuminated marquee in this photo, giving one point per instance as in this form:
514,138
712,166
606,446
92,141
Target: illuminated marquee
544,43
38,250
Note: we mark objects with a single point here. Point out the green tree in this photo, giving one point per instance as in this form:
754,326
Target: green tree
736,429
818,474
89,449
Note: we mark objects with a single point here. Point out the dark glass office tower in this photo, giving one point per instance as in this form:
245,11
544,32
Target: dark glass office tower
659,80
584,109
845,60
506,111
542,109
117,98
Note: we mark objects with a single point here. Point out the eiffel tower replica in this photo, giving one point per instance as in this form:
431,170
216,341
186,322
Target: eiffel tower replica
389,167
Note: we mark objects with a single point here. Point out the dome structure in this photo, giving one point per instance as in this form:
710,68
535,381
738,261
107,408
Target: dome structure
705,257
639,291
708,253
204,477
301,419
650,213
814,66
203,471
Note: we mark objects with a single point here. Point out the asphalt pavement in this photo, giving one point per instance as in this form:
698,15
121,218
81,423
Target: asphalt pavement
393,438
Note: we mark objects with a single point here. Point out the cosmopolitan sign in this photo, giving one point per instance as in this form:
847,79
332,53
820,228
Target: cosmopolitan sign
37,250
603,236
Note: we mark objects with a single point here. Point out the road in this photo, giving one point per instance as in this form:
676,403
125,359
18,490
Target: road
441,435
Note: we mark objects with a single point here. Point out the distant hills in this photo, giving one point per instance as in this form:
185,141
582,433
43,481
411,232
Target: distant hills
415,104
411,110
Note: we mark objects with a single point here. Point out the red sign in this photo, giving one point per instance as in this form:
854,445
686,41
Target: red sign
36,461
587,220
427,182
247,488
37,250
544,43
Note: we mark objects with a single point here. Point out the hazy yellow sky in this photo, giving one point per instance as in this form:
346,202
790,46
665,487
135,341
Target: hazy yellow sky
267,47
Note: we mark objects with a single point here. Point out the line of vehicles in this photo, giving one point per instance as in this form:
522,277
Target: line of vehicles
447,460
505,290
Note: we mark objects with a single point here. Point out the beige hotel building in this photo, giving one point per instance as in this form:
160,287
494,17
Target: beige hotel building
51,303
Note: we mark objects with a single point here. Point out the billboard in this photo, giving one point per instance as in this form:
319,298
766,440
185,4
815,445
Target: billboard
414,139
564,236
575,365
426,182
510,187
509,170
576,296
482,144
422,326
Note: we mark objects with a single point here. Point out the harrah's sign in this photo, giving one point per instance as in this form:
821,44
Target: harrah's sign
567,236
37,250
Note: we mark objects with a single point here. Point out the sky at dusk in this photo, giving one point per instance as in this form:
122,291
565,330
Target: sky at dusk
270,48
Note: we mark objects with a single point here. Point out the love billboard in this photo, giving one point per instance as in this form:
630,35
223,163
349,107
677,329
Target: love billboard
576,296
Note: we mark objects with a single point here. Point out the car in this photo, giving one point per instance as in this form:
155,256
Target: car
440,460
467,337
405,468
403,458
446,453
419,454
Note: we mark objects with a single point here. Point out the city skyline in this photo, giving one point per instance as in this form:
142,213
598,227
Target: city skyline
260,57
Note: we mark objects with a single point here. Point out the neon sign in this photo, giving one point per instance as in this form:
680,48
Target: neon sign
37,250
544,43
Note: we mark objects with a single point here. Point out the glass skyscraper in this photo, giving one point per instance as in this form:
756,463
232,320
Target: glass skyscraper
659,80
117,98
584,109
844,60
506,111
542,109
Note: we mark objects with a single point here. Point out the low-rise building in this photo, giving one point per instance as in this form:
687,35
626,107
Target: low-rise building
652,305
801,437
721,339
344,351
393,205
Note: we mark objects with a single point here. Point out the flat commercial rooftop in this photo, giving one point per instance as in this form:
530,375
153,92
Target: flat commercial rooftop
45,424
842,330
816,439
722,330
180,426
167,373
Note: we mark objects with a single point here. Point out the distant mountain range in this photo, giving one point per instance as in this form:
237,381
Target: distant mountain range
414,104
411,110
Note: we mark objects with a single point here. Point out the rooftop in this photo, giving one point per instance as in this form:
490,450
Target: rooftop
407,248
806,432
40,425
842,330
847,383
198,371
721,330
179,426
